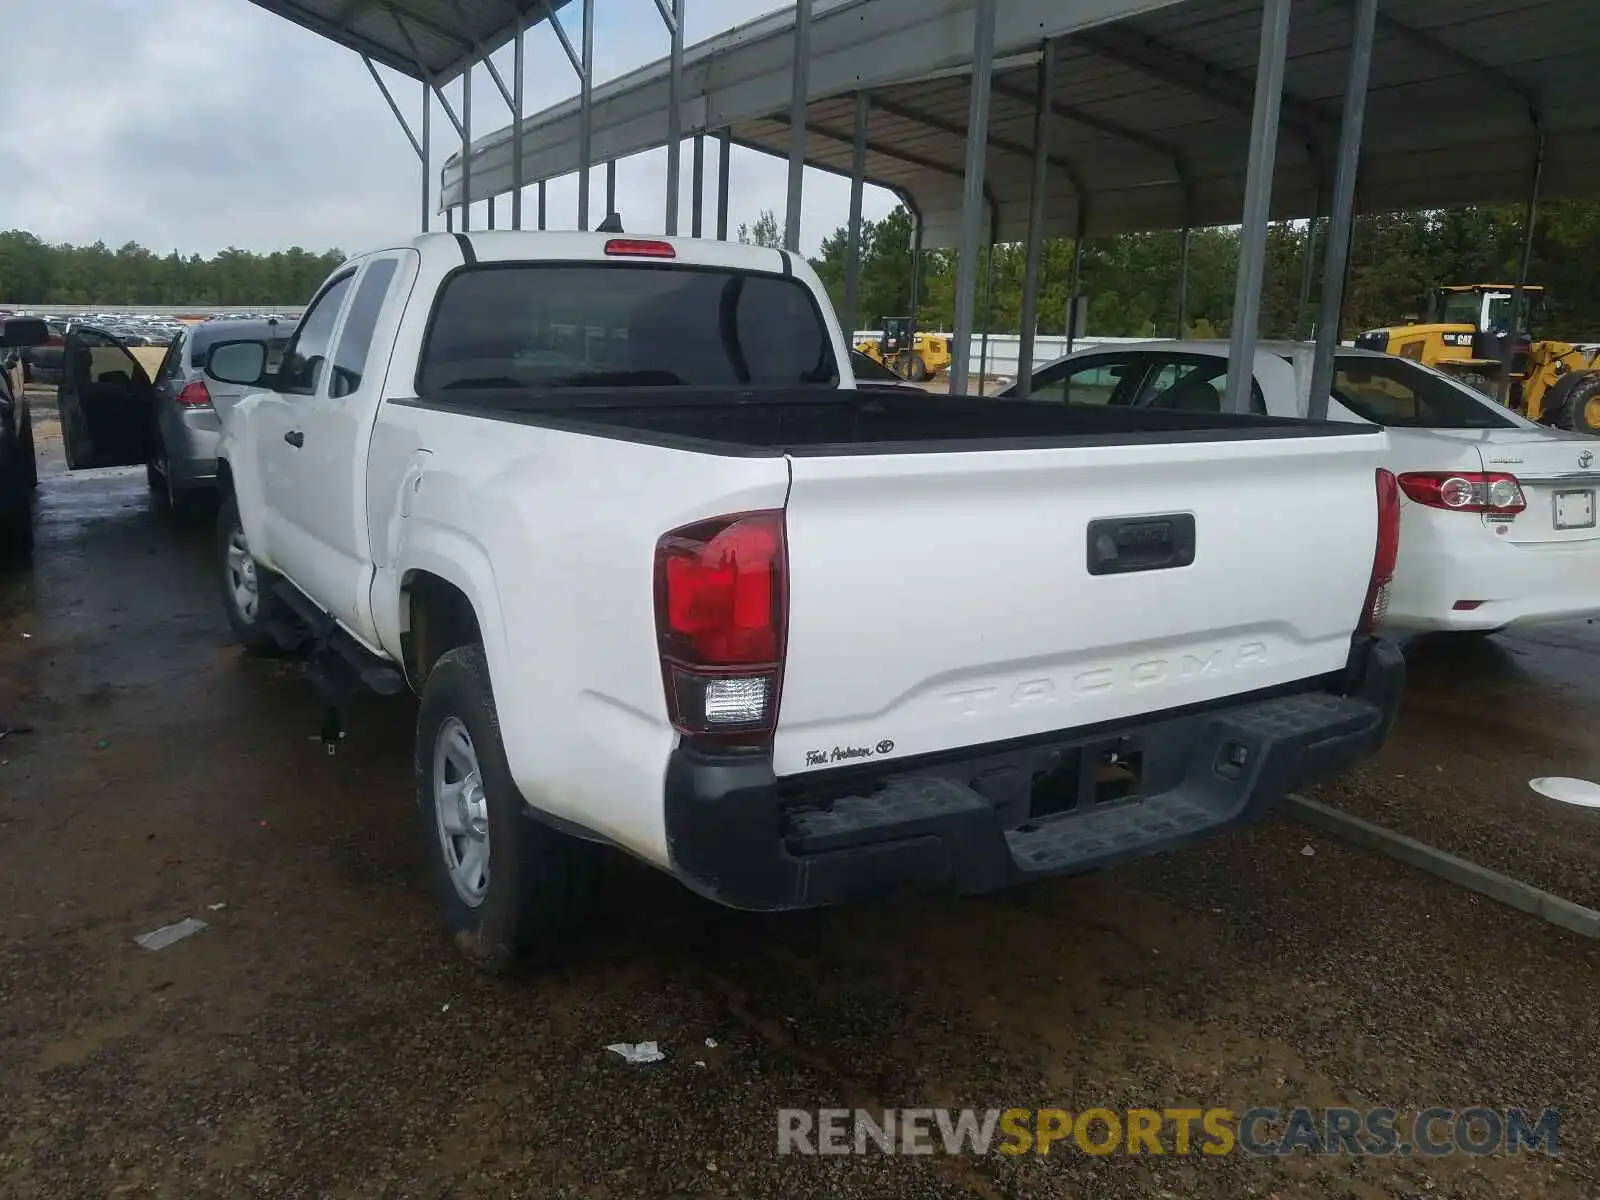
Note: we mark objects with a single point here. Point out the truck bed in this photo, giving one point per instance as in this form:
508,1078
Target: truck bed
811,421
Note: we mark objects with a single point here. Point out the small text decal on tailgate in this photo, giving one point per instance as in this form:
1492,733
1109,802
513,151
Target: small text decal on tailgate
821,758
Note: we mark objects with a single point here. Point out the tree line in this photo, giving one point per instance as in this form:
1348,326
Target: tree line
35,272
1131,280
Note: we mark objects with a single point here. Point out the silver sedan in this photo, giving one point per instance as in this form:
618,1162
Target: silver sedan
190,406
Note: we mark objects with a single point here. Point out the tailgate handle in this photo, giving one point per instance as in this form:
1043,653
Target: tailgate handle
1118,545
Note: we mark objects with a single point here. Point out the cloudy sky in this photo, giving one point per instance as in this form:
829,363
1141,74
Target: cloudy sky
200,124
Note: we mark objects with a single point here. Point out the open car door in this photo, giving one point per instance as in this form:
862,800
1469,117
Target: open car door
107,403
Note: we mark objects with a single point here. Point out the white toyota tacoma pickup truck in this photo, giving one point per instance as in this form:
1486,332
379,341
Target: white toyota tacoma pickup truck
665,579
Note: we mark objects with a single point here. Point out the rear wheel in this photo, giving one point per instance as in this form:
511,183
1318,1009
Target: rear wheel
510,888
247,589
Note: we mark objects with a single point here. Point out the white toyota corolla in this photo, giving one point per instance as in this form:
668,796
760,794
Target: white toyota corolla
1497,513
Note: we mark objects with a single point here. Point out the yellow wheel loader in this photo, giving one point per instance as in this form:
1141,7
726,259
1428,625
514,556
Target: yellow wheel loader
916,358
1464,332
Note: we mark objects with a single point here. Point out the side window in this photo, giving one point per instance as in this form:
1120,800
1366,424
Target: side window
350,355
172,364
307,355
1090,381
1193,385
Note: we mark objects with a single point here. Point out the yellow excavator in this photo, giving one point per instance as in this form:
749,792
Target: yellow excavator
915,357
1464,332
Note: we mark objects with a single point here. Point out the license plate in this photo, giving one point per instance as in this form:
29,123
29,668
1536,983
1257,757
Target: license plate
1575,510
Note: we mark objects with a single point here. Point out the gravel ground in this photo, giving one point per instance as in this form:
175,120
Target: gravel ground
321,1039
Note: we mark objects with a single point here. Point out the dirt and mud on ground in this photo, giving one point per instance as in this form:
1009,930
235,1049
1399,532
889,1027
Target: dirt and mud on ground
321,1038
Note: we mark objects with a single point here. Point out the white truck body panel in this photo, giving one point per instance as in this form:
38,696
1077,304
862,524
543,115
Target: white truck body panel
938,600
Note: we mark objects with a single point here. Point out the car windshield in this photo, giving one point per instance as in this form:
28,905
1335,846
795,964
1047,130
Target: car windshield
1392,391
623,325
1461,308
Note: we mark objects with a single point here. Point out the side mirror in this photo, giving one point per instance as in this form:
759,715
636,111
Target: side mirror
23,331
243,363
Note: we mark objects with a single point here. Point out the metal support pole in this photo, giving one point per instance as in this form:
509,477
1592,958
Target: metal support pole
517,180
611,186
1303,310
541,204
1077,275
988,305
449,220
1036,202
972,197
585,113
852,250
916,276
1342,213
1183,279
722,185
427,169
674,114
697,187
1257,203
801,85
491,207
466,149
1530,217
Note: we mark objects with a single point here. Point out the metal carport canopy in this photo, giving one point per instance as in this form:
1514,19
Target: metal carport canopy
1152,105
430,40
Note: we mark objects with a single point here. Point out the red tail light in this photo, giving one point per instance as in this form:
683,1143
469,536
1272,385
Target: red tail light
640,248
721,594
1492,492
1384,555
194,394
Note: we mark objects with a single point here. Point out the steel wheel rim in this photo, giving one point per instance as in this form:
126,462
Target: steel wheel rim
242,585
1591,412
461,811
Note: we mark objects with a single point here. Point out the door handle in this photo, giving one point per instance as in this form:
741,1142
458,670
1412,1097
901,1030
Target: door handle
295,438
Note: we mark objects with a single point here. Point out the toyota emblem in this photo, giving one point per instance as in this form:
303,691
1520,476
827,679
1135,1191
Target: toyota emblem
1585,458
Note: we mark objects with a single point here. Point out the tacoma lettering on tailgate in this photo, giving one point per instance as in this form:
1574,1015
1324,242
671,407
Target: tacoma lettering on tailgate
1099,680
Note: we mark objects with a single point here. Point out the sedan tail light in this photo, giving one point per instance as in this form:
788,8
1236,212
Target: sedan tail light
1492,492
721,593
194,395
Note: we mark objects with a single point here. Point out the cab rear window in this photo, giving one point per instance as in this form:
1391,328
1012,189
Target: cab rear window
605,325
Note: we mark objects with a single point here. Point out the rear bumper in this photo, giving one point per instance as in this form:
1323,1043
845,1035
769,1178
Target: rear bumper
972,821
1513,585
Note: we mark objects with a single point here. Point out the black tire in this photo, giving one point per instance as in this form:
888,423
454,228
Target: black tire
1574,403
30,462
179,503
16,520
541,885
250,628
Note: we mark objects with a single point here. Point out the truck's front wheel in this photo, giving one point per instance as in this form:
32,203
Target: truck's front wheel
511,887
247,593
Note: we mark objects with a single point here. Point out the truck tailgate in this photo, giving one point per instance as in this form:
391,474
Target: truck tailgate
948,599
